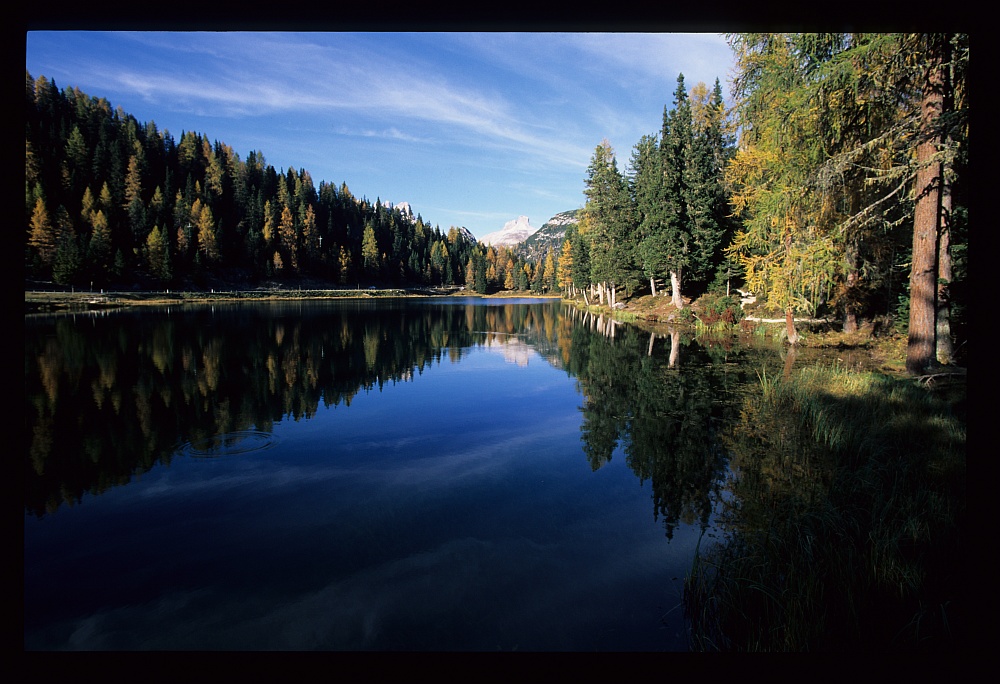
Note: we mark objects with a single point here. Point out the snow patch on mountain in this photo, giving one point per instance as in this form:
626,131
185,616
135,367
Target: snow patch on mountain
512,233
404,208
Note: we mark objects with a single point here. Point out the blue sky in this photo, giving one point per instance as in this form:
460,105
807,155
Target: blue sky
472,129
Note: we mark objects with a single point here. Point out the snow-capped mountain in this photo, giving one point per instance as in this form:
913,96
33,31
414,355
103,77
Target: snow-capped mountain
512,233
404,208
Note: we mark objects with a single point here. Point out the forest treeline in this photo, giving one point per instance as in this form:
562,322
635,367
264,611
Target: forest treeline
833,186
112,202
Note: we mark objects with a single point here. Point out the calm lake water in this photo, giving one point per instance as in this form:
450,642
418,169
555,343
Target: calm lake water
415,475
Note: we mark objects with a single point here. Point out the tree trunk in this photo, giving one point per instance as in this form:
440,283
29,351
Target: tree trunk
793,334
920,347
652,285
675,289
790,355
944,351
850,309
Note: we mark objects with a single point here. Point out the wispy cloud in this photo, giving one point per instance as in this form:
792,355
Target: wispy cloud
385,134
484,125
265,75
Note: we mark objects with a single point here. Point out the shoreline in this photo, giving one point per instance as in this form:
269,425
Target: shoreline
49,301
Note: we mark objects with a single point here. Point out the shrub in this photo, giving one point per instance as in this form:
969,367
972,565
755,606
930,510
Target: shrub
720,309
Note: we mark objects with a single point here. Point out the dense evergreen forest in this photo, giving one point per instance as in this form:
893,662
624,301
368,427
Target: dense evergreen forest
112,202
835,186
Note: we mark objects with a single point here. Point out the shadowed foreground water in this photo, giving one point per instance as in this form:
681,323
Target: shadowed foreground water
415,476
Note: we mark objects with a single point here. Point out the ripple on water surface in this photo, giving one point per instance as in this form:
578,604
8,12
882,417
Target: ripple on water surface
229,444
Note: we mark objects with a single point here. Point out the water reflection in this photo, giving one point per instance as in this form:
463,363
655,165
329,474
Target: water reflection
109,397
660,409
392,475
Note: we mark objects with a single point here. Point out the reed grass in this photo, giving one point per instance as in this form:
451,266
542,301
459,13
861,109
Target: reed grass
845,528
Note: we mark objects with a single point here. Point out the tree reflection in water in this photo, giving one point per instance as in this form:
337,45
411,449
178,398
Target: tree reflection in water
109,397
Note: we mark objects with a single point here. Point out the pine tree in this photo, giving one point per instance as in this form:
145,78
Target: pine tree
133,204
369,250
538,279
208,246
703,183
675,148
77,160
564,270
43,234
269,230
480,272
310,238
647,188
549,276
524,277
508,281
470,273
580,242
87,205
607,207
99,250
343,265
156,246
66,265
288,238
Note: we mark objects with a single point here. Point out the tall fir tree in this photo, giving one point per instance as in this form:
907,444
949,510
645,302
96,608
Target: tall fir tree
608,207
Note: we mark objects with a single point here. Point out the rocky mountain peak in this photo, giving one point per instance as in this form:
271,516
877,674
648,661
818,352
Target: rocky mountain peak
513,232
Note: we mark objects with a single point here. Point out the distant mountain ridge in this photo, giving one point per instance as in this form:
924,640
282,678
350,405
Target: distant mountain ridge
465,234
513,232
550,236
531,242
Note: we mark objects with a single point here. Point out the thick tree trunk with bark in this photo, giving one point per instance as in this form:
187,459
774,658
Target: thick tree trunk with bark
920,349
944,351
652,285
793,334
675,289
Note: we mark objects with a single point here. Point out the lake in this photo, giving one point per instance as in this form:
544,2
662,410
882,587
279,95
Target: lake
454,474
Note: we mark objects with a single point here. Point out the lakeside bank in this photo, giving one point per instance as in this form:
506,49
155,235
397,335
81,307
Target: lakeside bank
48,301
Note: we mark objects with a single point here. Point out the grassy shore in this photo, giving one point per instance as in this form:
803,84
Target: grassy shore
37,301
847,525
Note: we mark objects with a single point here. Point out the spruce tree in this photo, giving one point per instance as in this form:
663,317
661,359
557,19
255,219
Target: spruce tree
675,148
608,206
647,188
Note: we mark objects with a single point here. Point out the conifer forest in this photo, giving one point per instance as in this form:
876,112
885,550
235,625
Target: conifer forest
833,181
